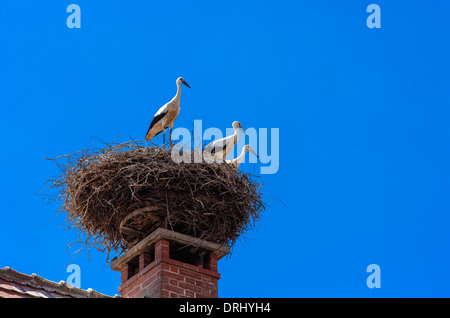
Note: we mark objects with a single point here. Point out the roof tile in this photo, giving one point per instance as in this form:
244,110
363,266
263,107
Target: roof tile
16,284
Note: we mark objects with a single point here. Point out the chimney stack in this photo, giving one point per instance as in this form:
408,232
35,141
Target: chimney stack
168,264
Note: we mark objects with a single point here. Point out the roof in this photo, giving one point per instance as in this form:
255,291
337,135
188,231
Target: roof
18,285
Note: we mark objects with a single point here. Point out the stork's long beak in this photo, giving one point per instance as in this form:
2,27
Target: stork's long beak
184,82
251,150
243,130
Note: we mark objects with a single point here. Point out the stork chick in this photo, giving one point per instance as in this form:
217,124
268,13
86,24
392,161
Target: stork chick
237,161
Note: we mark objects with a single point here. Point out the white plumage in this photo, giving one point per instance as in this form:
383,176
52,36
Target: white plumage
166,115
237,161
218,150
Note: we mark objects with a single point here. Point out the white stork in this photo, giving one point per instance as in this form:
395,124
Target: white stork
166,115
219,149
236,162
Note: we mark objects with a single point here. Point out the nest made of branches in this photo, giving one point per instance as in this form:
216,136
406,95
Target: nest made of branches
117,194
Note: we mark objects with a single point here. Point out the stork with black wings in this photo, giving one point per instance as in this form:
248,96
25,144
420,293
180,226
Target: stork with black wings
166,115
219,149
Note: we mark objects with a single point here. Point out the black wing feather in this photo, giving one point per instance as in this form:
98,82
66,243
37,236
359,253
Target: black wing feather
224,146
155,119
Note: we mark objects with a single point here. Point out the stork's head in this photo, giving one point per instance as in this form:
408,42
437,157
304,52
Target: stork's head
237,125
180,80
249,148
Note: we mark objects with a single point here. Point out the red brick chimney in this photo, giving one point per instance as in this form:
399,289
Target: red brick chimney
169,264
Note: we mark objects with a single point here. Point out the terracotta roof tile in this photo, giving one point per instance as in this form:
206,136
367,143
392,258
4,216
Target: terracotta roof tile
19,285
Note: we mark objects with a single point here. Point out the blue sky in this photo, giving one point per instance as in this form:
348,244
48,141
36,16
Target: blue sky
363,117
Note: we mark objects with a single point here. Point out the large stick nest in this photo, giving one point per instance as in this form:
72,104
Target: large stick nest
118,194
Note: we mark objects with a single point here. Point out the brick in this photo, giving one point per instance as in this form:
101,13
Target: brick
206,292
214,293
205,285
148,285
142,293
127,289
190,287
139,280
154,288
150,269
189,293
206,278
140,277
147,280
133,292
190,267
161,249
173,289
212,264
174,269
190,274
164,293
173,262
149,266
209,272
127,272
165,279
154,283
144,260
154,293
162,245
124,274
172,275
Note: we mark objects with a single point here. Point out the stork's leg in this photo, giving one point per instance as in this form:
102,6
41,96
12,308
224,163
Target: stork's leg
170,135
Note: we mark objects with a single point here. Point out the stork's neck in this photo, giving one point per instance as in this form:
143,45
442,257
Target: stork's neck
178,95
241,156
236,132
